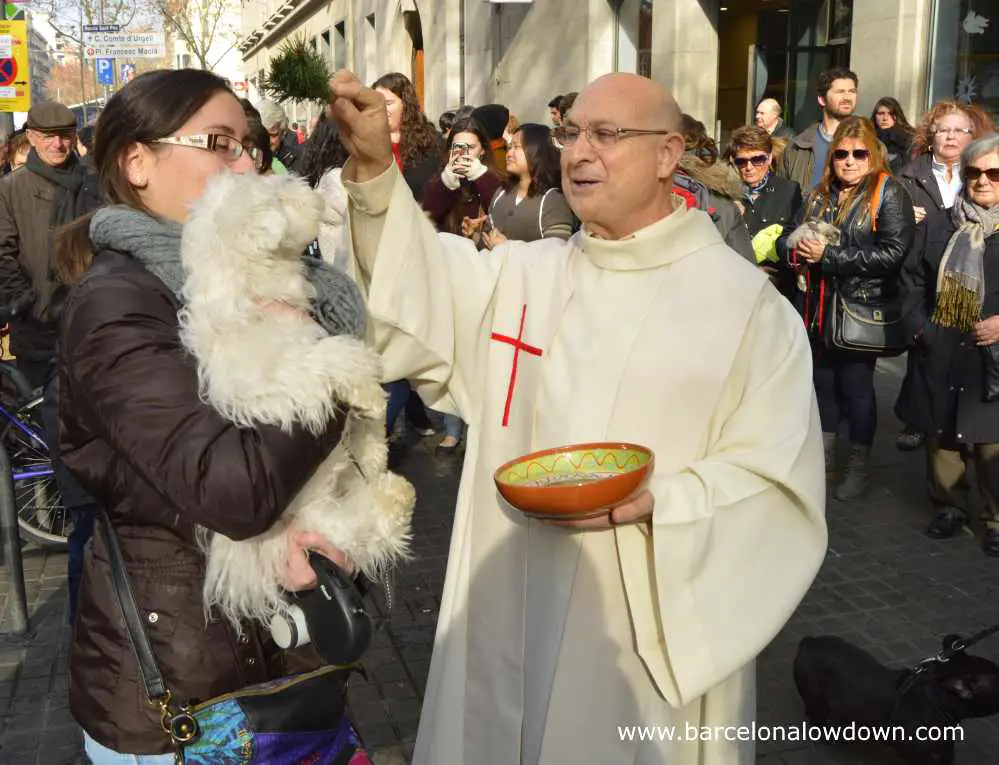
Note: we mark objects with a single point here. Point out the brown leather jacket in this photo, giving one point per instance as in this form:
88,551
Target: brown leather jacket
135,433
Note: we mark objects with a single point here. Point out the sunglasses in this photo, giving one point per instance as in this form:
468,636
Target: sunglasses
858,154
972,174
757,161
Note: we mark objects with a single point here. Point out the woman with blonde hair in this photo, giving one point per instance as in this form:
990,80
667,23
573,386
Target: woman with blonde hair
875,223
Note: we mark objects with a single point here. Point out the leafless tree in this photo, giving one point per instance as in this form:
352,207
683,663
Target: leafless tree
200,24
68,16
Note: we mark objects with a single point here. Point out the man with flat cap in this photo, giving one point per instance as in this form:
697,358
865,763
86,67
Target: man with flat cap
51,189
554,637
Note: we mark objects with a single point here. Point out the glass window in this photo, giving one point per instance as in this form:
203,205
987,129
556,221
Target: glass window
966,53
645,38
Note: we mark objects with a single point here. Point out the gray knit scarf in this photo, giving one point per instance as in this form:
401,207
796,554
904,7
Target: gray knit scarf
961,278
338,307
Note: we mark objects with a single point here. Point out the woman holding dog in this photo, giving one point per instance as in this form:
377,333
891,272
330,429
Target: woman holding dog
769,203
873,217
136,433
951,288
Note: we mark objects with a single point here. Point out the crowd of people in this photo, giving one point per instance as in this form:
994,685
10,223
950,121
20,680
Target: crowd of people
893,194
879,237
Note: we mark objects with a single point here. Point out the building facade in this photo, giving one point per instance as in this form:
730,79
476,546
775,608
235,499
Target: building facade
719,57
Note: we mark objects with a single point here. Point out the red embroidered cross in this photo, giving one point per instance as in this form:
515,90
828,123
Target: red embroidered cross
518,345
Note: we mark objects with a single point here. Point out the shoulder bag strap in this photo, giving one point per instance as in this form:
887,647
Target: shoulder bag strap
876,196
152,678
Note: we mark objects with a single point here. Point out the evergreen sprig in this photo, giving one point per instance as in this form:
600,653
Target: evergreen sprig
297,73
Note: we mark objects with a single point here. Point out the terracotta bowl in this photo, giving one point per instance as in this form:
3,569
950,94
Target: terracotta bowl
574,482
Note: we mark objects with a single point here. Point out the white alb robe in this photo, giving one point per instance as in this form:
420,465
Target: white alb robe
549,639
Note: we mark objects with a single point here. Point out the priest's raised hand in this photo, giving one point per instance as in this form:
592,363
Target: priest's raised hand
360,114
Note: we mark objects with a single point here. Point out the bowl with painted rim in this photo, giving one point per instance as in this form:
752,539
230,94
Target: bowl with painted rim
576,481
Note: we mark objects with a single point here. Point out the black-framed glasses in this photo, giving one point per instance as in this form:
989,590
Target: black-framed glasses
757,160
219,143
972,174
858,154
603,137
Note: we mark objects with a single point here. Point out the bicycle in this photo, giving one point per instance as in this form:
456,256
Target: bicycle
41,516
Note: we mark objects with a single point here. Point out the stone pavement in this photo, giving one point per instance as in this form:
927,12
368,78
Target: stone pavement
884,586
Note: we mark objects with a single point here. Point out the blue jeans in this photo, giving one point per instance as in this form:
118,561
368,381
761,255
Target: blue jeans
101,755
453,426
398,394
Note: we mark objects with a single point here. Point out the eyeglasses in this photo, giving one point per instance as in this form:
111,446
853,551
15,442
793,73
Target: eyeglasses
972,174
952,131
565,137
758,160
218,143
858,154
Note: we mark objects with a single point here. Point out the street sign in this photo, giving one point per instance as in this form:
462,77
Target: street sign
105,71
15,90
92,28
14,10
130,45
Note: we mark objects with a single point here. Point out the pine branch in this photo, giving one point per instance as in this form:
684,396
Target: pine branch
297,73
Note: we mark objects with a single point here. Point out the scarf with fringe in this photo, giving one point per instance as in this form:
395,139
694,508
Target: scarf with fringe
961,278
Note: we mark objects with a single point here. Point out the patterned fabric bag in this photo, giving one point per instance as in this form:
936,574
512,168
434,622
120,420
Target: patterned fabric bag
294,720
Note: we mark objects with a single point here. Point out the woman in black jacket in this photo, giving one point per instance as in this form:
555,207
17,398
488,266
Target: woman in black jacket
136,432
894,131
933,180
768,201
876,226
952,390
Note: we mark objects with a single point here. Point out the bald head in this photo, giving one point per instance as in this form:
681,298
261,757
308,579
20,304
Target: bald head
619,177
640,102
767,114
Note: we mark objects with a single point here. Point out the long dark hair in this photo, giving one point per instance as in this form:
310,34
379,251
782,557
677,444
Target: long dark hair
323,151
543,161
153,105
697,141
897,113
452,221
258,135
418,137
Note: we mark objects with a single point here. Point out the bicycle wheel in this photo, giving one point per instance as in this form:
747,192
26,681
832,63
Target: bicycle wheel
41,516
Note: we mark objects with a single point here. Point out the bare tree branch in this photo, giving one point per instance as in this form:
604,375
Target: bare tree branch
197,23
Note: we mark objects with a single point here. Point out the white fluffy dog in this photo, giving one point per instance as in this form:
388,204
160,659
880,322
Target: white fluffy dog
242,256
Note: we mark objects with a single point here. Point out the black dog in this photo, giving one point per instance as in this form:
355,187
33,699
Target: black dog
841,684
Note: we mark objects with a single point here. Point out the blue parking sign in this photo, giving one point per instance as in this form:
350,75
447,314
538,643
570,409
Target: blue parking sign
105,71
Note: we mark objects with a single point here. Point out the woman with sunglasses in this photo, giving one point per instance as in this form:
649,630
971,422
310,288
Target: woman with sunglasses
934,181
767,200
951,288
874,217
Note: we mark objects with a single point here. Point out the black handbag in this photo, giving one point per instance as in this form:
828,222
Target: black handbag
300,718
867,327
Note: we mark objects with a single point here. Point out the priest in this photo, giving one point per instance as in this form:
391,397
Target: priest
644,327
